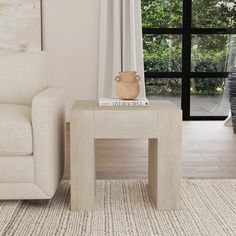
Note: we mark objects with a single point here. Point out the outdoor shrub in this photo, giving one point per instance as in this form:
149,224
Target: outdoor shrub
163,87
210,86
205,86
162,63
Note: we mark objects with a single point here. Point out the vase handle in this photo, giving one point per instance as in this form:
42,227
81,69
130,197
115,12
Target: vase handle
117,78
138,77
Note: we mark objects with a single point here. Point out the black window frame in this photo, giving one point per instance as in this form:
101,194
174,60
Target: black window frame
186,74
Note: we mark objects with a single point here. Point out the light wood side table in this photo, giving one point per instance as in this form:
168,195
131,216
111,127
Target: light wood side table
160,123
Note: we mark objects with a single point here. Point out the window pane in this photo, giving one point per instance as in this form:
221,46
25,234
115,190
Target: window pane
209,97
162,53
213,14
162,13
164,89
231,55
210,52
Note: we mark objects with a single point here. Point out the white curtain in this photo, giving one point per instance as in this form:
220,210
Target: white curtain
230,63
120,46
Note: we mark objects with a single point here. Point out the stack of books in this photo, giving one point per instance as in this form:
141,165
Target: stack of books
120,102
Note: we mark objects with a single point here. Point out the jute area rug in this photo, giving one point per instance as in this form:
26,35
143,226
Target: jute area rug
123,207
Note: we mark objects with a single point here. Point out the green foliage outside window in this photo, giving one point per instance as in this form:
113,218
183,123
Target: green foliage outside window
162,53
162,13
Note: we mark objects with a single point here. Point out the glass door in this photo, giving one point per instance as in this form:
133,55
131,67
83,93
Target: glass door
188,53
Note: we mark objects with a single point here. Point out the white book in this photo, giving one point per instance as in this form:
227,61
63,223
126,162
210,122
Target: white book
106,102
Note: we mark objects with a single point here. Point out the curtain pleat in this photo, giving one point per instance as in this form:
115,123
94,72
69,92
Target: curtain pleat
120,43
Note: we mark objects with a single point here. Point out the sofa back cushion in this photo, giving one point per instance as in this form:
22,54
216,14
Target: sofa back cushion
22,76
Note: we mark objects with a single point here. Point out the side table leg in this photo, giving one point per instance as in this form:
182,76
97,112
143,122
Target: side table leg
152,169
83,176
165,162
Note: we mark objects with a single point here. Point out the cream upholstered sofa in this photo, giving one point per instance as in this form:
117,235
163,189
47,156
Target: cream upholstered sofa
31,128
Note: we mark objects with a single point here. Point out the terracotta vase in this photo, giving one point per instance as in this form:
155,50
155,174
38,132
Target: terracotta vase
127,86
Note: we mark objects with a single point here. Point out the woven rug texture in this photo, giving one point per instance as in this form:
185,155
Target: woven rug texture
123,207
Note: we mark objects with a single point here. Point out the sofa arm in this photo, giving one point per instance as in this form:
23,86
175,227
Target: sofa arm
48,122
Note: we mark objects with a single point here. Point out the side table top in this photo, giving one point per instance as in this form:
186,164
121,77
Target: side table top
154,105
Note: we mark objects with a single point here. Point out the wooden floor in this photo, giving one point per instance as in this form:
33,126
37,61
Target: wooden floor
209,151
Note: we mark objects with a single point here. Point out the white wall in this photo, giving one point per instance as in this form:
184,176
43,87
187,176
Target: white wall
70,37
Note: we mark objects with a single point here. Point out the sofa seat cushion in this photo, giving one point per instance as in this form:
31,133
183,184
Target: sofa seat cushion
16,137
